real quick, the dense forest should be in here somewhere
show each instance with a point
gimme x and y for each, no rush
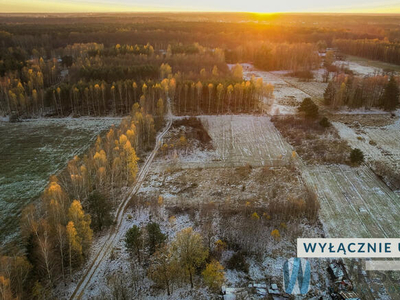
(376, 49)
(277, 56)
(87, 65)
(86, 81)
(378, 91)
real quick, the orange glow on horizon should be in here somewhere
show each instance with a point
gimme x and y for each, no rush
(258, 8)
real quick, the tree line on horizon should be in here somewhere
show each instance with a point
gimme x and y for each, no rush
(376, 49)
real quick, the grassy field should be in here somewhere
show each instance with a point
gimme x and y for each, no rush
(32, 151)
(355, 203)
(372, 63)
(240, 140)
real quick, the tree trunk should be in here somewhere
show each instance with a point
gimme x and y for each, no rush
(191, 278)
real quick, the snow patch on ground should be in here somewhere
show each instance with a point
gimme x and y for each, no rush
(377, 143)
(357, 68)
(4, 118)
(360, 111)
(241, 139)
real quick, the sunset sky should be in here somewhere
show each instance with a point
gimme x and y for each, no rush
(353, 6)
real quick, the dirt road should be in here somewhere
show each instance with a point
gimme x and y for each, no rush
(115, 234)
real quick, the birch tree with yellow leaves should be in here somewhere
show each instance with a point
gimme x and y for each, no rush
(74, 245)
(81, 222)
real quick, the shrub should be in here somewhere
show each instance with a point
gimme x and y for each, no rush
(309, 108)
(275, 234)
(244, 171)
(255, 216)
(305, 75)
(356, 156)
(14, 118)
(214, 275)
(325, 122)
(238, 262)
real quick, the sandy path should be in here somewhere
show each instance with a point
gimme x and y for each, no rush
(115, 234)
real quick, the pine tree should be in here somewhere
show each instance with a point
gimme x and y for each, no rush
(155, 237)
(390, 98)
(134, 241)
(356, 156)
(309, 108)
(100, 209)
(329, 94)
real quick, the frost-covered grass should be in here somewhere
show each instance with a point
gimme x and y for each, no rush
(262, 187)
(377, 143)
(311, 88)
(282, 90)
(357, 68)
(33, 150)
(365, 66)
(236, 140)
(359, 111)
(380, 145)
(288, 92)
(354, 202)
(243, 139)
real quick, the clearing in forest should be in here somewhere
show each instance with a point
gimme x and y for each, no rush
(312, 88)
(244, 139)
(380, 145)
(364, 66)
(377, 143)
(286, 96)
